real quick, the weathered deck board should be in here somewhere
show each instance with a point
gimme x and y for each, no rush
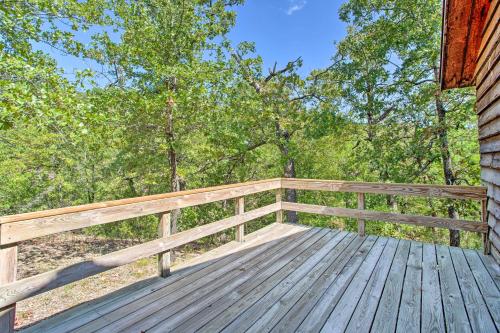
(453, 303)
(387, 315)
(432, 307)
(286, 278)
(408, 318)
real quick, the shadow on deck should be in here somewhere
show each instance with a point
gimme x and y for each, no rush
(293, 278)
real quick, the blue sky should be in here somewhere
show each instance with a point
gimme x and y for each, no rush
(282, 31)
(286, 29)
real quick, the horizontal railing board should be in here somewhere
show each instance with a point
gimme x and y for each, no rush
(121, 202)
(444, 191)
(28, 287)
(23, 230)
(427, 221)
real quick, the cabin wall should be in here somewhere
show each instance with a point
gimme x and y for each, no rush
(487, 83)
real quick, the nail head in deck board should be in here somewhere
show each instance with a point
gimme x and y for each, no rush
(341, 314)
(386, 315)
(479, 318)
(409, 308)
(432, 308)
(453, 304)
(365, 310)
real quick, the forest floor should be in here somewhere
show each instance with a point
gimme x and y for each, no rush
(47, 253)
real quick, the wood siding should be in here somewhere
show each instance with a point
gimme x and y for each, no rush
(488, 109)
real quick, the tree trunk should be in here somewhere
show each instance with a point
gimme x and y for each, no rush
(288, 171)
(175, 181)
(449, 177)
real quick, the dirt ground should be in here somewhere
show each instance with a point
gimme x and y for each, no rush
(47, 253)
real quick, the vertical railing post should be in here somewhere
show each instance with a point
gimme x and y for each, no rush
(361, 222)
(484, 220)
(279, 198)
(240, 209)
(8, 271)
(164, 258)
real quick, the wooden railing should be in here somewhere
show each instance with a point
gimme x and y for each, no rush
(22, 227)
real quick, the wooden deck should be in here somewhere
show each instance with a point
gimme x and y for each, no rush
(286, 278)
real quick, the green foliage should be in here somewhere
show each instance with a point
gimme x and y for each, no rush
(177, 87)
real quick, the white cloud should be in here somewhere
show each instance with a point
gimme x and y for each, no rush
(295, 6)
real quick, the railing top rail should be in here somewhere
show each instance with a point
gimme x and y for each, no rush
(121, 202)
(425, 190)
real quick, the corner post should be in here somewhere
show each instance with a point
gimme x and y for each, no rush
(279, 199)
(164, 258)
(361, 222)
(240, 209)
(8, 271)
(484, 220)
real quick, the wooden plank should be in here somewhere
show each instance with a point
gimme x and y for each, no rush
(488, 98)
(477, 311)
(341, 314)
(427, 221)
(386, 316)
(247, 292)
(164, 230)
(318, 315)
(489, 290)
(276, 183)
(491, 114)
(169, 317)
(454, 309)
(490, 145)
(35, 285)
(191, 291)
(488, 47)
(345, 261)
(8, 271)
(488, 81)
(279, 213)
(273, 315)
(184, 273)
(367, 306)
(411, 298)
(432, 308)
(444, 191)
(240, 229)
(252, 290)
(37, 227)
(490, 129)
(256, 308)
(361, 222)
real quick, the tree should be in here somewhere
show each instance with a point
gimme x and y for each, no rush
(387, 66)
